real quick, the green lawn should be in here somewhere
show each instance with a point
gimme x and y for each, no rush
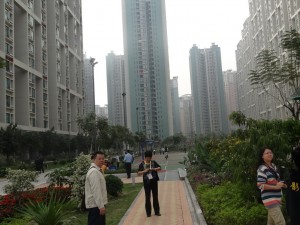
(116, 207)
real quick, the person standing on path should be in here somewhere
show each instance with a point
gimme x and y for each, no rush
(95, 190)
(148, 168)
(270, 186)
(128, 160)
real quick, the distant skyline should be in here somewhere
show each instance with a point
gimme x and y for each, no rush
(188, 22)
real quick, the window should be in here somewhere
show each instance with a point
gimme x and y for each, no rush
(30, 20)
(9, 84)
(9, 67)
(31, 78)
(8, 49)
(8, 32)
(31, 62)
(32, 122)
(31, 48)
(30, 4)
(30, 34)
(9, 118)
(8, 16)
(32, 107)
(9, 101)
(31, 92)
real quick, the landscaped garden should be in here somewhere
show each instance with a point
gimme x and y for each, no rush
(222, 170)
(61, 202)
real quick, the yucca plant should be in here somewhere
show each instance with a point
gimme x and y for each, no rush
(54, 212)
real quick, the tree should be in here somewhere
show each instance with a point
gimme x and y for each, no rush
(238, 118)
(283, 75)
(10, 140)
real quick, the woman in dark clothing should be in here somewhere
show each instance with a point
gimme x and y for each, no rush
(293, 190)
(148, 168)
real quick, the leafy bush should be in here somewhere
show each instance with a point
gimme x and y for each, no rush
(224, 205)
(20, 180)
(81, 166)
(114, 185)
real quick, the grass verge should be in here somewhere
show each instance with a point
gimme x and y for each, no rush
(116, 207)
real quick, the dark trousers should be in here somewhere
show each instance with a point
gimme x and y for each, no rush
(151, 186)
(128, 169)
(94, 217)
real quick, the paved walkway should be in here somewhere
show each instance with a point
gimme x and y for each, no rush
(173, 202)
(177, 206)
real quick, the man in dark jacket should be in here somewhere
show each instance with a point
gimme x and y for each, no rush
(148, 168)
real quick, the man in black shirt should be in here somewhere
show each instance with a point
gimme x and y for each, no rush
(148, 168)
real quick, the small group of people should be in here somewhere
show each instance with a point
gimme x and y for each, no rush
(96, 192)
(271, 185)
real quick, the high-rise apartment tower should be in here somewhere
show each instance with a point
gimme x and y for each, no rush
(116, 92)
(207, 87)
(148, 97)
(262, 30)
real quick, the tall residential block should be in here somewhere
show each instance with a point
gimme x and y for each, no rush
(187, 118)
(89, 84)
(116, 91)
(101, 111)
(148, 97)
(207, 87)
(231, 94)
(175, 105)
(42, 84)
(263, 29)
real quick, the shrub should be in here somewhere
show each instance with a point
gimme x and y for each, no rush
(224, 205)
(53, 212)
(81, 166)
(20, 181)
(114, 185)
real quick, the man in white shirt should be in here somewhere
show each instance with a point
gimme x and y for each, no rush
(95, 190)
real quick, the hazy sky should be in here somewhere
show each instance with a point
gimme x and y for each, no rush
(200, 22)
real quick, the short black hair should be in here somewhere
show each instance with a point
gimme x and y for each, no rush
(148, 154)
(94, 154)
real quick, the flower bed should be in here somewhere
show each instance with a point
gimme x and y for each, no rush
(10, 203)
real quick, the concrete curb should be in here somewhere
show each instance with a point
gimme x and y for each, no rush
(196, 212)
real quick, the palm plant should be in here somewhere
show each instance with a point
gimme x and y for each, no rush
(54, 212)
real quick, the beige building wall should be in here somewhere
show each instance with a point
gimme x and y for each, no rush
(42, 84)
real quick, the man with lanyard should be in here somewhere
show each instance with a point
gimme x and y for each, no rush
(148, 169)
(128, 160)
(95, 190)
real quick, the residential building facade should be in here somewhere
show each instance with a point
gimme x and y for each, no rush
(42, 84)
(148, 97)
(207, 87)
(101, 111)
(89, 84)
(231, 94)
(262, 30)
(116, 91)
(187, 118)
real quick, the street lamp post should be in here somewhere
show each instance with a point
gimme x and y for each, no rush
(93, 63)
(137, 118)
(124, 109)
